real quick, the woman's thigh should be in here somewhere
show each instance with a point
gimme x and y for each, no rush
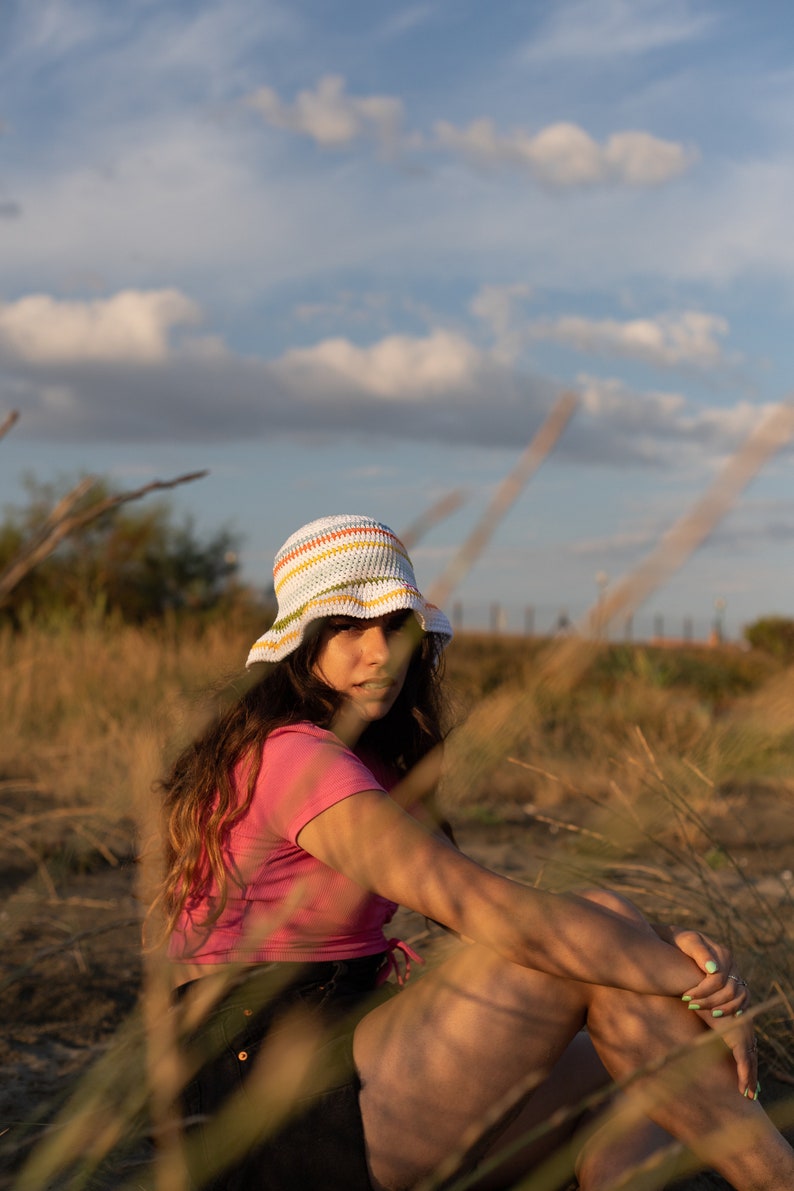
(446, 1062)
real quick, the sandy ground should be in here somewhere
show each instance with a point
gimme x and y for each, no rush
(71, 967)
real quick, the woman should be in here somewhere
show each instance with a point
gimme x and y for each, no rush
(297, 824)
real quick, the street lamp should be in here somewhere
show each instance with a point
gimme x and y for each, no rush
(602, 582)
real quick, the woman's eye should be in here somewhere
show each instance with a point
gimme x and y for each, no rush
(398, 624)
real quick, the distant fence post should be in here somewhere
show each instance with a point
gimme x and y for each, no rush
(688, 628)
(719, 620)
(529, 621)
(628, 628)
(658, 626)
(563, 621)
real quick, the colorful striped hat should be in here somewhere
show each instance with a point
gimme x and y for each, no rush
(342, 566)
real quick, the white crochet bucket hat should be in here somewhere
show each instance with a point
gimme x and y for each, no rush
(342, 566)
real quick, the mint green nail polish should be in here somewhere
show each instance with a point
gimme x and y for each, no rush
(757, 1091)
(711, 967)
(693, 1006)
(738, 1013)
(686, 997)
(716, 1013)
(746, 1092)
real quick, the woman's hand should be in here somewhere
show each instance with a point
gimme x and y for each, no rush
(722, 991)
(721, 994)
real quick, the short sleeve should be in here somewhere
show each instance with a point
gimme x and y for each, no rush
(305, 770)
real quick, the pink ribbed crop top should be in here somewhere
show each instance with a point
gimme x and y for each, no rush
(283, 904)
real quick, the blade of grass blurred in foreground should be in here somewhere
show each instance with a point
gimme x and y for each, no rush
(112, 703)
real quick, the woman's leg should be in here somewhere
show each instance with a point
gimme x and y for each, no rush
(612, 1138)
(602, 1144)
(437, 1059)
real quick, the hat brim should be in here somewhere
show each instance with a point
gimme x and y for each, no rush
(358, 601)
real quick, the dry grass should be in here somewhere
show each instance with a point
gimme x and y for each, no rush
(80, 705)
(648, 769)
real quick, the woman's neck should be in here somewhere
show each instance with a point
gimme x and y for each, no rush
(348, 725)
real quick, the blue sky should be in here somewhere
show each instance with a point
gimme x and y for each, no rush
(346, 255)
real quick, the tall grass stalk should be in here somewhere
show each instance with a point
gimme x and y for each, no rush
(625, 754)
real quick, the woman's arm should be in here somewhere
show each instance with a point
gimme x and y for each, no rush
(375, 843)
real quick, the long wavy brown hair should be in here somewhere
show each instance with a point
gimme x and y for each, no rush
(201, 799)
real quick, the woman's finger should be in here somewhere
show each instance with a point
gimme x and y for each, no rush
(719, 991)
(744, 1046)
(740, 1040)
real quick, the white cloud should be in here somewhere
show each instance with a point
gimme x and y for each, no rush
(496, 306)
(116, 370)
(613, 398)
(110, 371)
(583, 30)
(130, 326)
(661, 428)
(399, 366)
(639, 159)
(690, 338)
(564, 155)
(332, 118)
(561, 155)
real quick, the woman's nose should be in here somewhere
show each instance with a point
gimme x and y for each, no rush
(376, 646)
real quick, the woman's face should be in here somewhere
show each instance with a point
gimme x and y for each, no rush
(367, 660)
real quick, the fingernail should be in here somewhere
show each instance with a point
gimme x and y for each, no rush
(686, 997)
(693, 1006)
(716, 1013)
(746, 1092)
(738, 1013)
(757, 1091)
(711, 967)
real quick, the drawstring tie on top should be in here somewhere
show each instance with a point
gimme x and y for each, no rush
(393, 967)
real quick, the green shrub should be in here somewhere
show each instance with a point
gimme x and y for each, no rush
(139, 564)
(773, 635)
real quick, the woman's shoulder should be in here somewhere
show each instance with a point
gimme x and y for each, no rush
(287, 746)
(304, 727)
(302, 733)
(304, 770)
(301, 740)
(305, 741)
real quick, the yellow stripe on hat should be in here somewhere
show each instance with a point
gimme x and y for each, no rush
(326, 554)
(323, 602)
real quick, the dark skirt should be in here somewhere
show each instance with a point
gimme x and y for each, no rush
(245, 1132)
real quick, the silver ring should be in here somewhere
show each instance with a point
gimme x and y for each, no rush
(738, 980)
